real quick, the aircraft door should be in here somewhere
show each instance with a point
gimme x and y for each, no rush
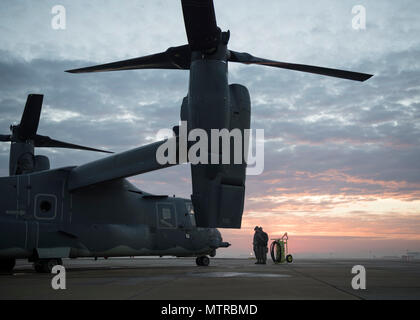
(167, 225)
(48, 196)
(47, 210)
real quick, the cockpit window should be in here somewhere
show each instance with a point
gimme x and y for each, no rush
(166, 216)
(190, 208)
(190, 211)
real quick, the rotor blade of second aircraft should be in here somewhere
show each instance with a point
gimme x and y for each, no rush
(47, 142)
(30, 117)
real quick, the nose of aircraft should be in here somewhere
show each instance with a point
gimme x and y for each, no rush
(216, 240)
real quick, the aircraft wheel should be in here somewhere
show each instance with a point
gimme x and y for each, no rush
(198, 261)
(202, 261)
(7, 265)
(205, 261)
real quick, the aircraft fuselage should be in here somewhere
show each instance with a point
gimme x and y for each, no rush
(39, 218)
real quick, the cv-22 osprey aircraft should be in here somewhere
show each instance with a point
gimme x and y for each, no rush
(91, 210)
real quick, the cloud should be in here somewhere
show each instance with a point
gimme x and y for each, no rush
(332, 146)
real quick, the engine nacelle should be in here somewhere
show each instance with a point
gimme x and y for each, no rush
(219, 189)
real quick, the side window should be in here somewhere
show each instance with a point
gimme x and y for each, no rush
(45, 206)
(190, 212)
(166, 216)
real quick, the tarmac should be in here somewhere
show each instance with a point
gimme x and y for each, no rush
(224, 279)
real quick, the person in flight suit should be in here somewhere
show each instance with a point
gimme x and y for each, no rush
(257, 244)
(264, 247)
(260, 245)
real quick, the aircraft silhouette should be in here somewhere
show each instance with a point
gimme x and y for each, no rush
(91, 210)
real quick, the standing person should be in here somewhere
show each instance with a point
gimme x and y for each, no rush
(256, 243)
(264, 248)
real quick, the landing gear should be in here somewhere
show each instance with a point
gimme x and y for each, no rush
(202, 261)
(46, 265)
(7, 265)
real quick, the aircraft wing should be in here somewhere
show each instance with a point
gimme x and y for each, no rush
(121, 165)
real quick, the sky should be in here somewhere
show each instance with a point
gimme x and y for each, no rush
(342, 172)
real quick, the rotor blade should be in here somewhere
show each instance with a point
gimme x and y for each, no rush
(47, 142)
(173, 58)
(5, 137)
(200, 24)
(30, 117)
(246, 58)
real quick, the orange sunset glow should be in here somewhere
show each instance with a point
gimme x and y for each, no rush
(331, 213)
(385, 222)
